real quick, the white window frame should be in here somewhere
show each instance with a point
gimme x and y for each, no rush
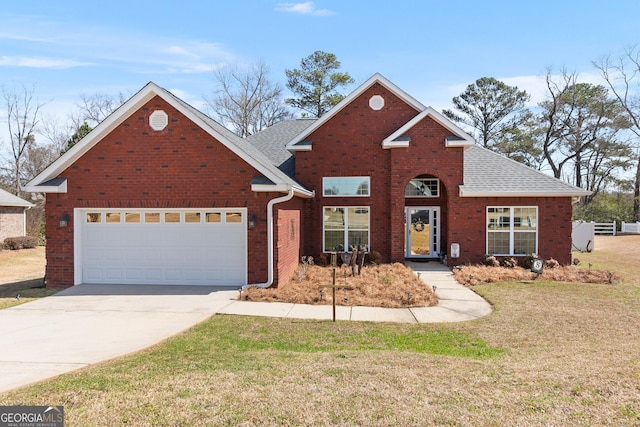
(511, 231)
(424, 196)
(355, 178)
(345, 230)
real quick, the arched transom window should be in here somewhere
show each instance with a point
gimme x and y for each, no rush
(423, 187)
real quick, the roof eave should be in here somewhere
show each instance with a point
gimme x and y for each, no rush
(529, 193)
(86, 143)
(118, 116)
(283, 188)
(461, 139)
(38, 188)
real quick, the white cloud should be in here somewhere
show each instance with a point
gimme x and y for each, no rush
(306, 8)
(536, 86)
(130, 50)
(39, 62)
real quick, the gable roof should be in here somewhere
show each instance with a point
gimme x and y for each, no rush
(488, 174)
(299, 143)
(459, 138)
(49, 180)
(9, 200)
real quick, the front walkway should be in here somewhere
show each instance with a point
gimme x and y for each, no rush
(457, 304)
(87, 324)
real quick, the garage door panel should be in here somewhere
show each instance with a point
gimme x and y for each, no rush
(111, 255)
(152, 275)
(164, 253)
(92, 275)
(113, 274)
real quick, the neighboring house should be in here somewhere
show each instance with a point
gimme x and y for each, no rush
(13, 216)
(159, 193)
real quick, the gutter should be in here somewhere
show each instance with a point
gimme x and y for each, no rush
(270, 231)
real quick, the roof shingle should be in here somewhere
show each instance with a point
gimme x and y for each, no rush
(489, 174)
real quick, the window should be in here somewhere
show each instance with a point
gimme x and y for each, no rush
(171, 217)
(344, 227)
(233, 217)
(190, 217)
(345, 186)
(423, 187)
(94, 217)
(512, 230)
(213, 217)
(152, 217)
(112, 217)
(130, 217)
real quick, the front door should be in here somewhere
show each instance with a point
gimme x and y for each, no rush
(422, 232)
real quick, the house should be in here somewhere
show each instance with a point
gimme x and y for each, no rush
(13, 215)
(159, 193)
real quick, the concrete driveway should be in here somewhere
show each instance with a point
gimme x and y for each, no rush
(87, 324)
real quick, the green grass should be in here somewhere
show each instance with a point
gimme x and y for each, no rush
(28, 290)
(551, 353)
(251, 350)
(222, 333)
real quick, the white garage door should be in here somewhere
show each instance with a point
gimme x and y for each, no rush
(163, 247)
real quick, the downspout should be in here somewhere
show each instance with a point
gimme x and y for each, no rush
(24, 221)
(270, 231)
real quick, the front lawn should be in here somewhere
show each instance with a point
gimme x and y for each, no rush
(21, 276)
(551, 353)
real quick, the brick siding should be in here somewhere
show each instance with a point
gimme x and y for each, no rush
(11, 222)
(349, 144)
(133, 166)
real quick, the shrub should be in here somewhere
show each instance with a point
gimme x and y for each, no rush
(322, 260)
(301, 271)
(527, 262)
(551, 263)
(491, 261)
(21, 242)
(510, 262)
(373, 257)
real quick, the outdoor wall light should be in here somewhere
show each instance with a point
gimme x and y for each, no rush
(252, 221)
(64, 220)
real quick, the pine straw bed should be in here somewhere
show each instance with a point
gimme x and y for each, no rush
(470, 275)
(395, 285)
(385, 285)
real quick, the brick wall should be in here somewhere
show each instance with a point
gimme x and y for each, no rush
(428, 155)
(349, 144)
(554, 226)
(288, 244)
(11, 222)
(133, 166)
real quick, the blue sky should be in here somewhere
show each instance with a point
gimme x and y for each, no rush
(430, 49)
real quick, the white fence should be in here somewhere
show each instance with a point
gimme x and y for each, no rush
(605, 228)
(631, 227)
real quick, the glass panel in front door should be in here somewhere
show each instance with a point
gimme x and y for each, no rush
(420, 232)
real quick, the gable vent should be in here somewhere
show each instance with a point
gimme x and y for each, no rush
(158, 120)
(376, 102)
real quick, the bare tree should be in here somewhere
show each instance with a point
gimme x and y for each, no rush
(246, 101)
(552, 132)
(57, 132)
(623, 77)
(22, 120)
(93, 109)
